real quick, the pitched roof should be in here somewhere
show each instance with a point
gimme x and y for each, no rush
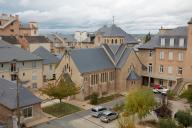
(114, 31)
(68, 38)
(10, 39)
(37, 39)
(9, 52)
(91, 59)
(8, 95)
(133, 76)
(47, 57)
(175, 33)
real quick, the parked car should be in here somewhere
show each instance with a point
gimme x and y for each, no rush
(160, 89)
(108, 116)
(97, 111)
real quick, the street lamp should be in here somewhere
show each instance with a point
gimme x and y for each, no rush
(16, 72)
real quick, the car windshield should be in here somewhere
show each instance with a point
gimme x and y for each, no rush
(93, 110)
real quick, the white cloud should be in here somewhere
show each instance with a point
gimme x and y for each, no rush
(136, 16)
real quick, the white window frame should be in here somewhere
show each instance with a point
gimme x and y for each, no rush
(180, 56)
(170, 55)
(172, 41)
(181, 42)
(161, 55)
(31, 112)
(170, 69)
(162, 41)
(179, 69)
(161, 68)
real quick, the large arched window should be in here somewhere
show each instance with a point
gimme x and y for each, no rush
(116, 41)
(112, 41)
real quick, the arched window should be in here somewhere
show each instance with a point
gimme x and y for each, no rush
(112, 41)
(116, 41)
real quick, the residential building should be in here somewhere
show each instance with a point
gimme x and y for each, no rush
(106, 69)
(113, 35)
(29, 104)
(167, 56)
(50, 63)
(28, 65)
(11, 26)
(35, 42)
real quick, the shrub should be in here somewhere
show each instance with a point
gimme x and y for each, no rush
(94, 98)
(166, 123)
(163, 111)
(126, 122)
(188, 95)
(170, 95)
(184, 118)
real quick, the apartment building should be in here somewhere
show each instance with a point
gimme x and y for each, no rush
(11, 26)
(50, 63)
(113, 35)
(106, 69)
(27, 65)
(168, 58)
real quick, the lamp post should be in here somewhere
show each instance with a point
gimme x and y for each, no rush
(15, 71)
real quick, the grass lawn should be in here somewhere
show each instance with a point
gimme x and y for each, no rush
(61, 109)
(108, 98)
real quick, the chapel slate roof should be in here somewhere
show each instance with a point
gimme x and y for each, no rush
(114, 31)
(37, 39)
(133, 76)
(47, 57)
(9, 52)
(8, 95)
(91, 59)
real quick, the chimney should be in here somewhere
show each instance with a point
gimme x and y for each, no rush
(163, 30)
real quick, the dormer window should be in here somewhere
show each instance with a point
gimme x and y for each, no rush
(181, 42)
(172, 42)
(162, 41)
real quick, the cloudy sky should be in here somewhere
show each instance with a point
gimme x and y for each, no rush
(134, 16)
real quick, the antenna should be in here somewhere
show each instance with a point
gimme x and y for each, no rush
(113, 19)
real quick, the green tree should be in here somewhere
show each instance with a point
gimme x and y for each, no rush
(166, 123)
(64, 89)
(140, 101)
(94, 98)
(147, 38)
(184, 118)
(187, 95)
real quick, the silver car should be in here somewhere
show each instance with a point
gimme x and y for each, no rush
(108, 116)
(97, 111)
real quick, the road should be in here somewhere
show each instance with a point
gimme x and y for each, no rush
(82, 119)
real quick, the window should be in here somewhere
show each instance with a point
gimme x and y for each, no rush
(150, 67)
(12, 30)
(2, 76)
(94, 79)
(34, 65)
(150, 52)
(13, 67)
(180, 70)
(23, 74)
(28, 112)
(34, 85)
(112, 41)
(54, 77)
(23, 63)
(180, 56)
(170, 55)
(50, 67)
(170, 69)
(162, 41)
(0, 23)
(111, 76)
(2, 65)
(161, 55)
(161, 69)
(34, 76)
(172, 42)
(116, 41)
(160, 81)
(181, 42)
(13, 77)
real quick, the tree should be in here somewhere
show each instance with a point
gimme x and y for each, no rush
(184, 118)
(64, 89)
(147, 38)
(166, 123)
(140, 101)
(126, 122)
(188, 95)
(94, 98)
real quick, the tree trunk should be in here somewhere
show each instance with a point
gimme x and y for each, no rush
(60, 100)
